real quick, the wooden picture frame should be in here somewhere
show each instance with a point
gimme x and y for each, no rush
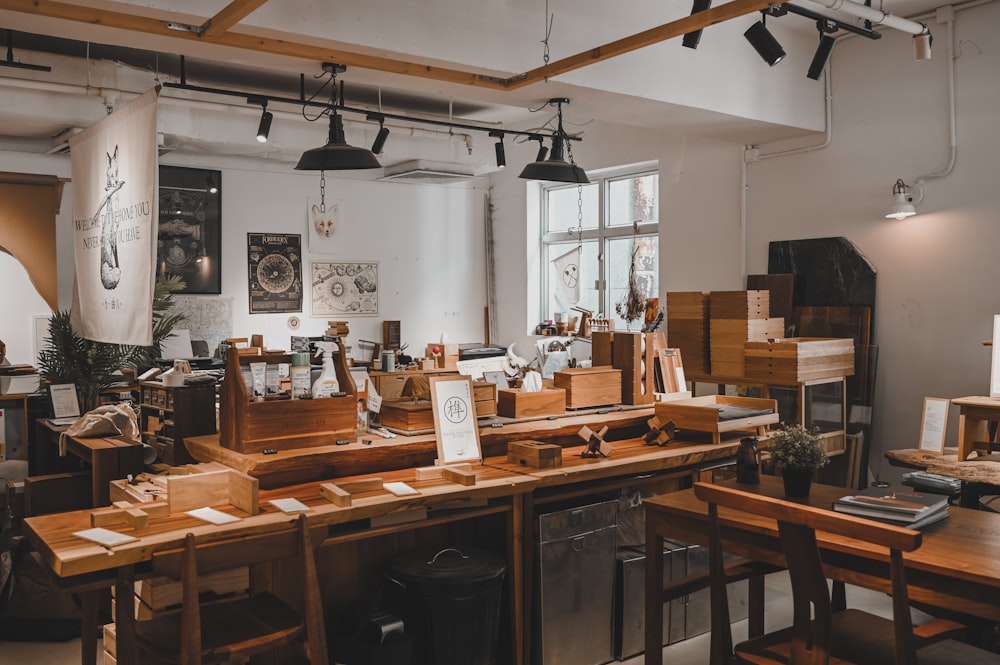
(934, 424)
(455, 427)
(189, 234)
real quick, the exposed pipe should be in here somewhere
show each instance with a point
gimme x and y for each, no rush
(946, 15)
(867, 13)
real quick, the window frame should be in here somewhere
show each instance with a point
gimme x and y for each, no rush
(602, 234)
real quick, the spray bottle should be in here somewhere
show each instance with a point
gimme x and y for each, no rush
(326, 384)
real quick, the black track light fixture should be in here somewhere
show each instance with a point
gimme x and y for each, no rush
(542, 150)
(383, 134)
(501, 155)
(823, 51)
(764, 43)
(556, 168)
(691, 39)
(264, 127)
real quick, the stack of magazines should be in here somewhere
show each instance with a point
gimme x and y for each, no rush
(921, 480)
(907, 508)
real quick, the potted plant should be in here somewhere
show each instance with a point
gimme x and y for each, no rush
(798, 452)
(94, 367)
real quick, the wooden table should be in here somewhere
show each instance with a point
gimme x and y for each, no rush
(955, 568)
(109, 458)
(979, 475)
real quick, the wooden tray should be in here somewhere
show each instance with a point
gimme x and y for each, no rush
(798, 359)
(702, 414)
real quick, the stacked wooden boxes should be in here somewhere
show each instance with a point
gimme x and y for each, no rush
(799, 359)
(687, 328)
(738, 317)
(589, 386)
(634, 353)
(485, 396)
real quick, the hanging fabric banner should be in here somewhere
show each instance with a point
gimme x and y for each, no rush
(115, 214)
(568, 276)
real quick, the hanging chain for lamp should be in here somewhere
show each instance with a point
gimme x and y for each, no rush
(322, 191)
(549, 19)
(579, 219)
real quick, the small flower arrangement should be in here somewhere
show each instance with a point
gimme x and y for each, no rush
(795, 447)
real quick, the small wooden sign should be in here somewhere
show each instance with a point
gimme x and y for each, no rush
(934, 424)
(455, 427)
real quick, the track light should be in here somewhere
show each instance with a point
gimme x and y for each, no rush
(501, 156)
(264, 127)
(383, 134)
(821, 57)
(922, 45)
(764, 43)
(691, 39)
(902, 202)
(555, 168)
(212, 187)
(337, 155)
(542, 150)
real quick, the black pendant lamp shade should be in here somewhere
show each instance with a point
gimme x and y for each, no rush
(337, 155)
(555, 168)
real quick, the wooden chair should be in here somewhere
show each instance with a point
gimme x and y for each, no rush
(233, 630)
(819, 635)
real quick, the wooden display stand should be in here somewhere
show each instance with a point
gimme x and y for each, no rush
(252, 427)
(701, 414)
(974, 417)
(634, 354)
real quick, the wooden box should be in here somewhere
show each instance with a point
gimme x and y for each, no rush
(703, 414)
(407, 415)
(590, 386)
(485, 396)
(799, 359)
(601, 343)
(512, 403)
(534, 454)
(634, 354)
(728, 338)
(251, 427)
(739, 304)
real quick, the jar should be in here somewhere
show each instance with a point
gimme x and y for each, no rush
(748, 462)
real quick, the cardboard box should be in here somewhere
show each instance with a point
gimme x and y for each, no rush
(590, 386)
(512, 403)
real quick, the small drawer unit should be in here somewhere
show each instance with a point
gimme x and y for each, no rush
(169, 414)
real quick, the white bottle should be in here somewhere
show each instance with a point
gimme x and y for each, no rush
(326, 384)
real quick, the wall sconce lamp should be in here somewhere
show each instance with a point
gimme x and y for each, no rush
(383, 134)
(555, 168)
(902, 202)
(264, 127)
(764, 43)
(692, 39)
(501, 155)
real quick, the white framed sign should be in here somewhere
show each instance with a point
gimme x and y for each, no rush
(455, 426)
(64, 401)
(933, 424)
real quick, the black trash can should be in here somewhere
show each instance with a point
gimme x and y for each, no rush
(450, 603)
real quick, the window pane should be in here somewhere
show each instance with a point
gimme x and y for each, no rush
(588, 270)
(633, 200)
(562, 208)
(646, 272)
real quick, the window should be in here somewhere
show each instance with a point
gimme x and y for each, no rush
(599, 218)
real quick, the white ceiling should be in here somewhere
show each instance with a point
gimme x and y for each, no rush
(495, 37)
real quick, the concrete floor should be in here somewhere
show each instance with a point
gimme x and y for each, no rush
(694, 651)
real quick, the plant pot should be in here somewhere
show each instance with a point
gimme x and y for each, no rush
(798, 482)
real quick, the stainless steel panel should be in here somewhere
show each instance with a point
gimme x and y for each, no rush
(678, 569)
(630, 598)
(698, 618)
(574, 521)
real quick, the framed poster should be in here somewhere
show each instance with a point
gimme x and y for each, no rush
(275, 272)
(189, 237)
(455, 425)
(344, 288)
(933, 424)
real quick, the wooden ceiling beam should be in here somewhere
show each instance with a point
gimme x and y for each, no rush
(216, 33)
(230, 15)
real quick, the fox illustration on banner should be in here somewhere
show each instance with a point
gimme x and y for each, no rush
(115, 163)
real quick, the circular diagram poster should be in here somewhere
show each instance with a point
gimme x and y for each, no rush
(344, 287)
(275, 272)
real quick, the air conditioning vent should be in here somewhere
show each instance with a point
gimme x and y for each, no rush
(428, 173)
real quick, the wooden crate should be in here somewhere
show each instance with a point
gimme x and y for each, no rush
(407, 415)
(252, 427)
(512, 403)
(687, 328)
(634, 354)
(702, 414)
(534, 454)
(798, 359)
(601, 344)
(687, 305)
(746, 330)
(590, 386)
(739, 304)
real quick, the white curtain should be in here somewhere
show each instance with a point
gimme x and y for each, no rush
(115, 216)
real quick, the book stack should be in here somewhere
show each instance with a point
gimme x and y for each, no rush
(923, 481)
(902, 508)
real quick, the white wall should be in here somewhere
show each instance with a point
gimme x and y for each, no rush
(937, 272)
